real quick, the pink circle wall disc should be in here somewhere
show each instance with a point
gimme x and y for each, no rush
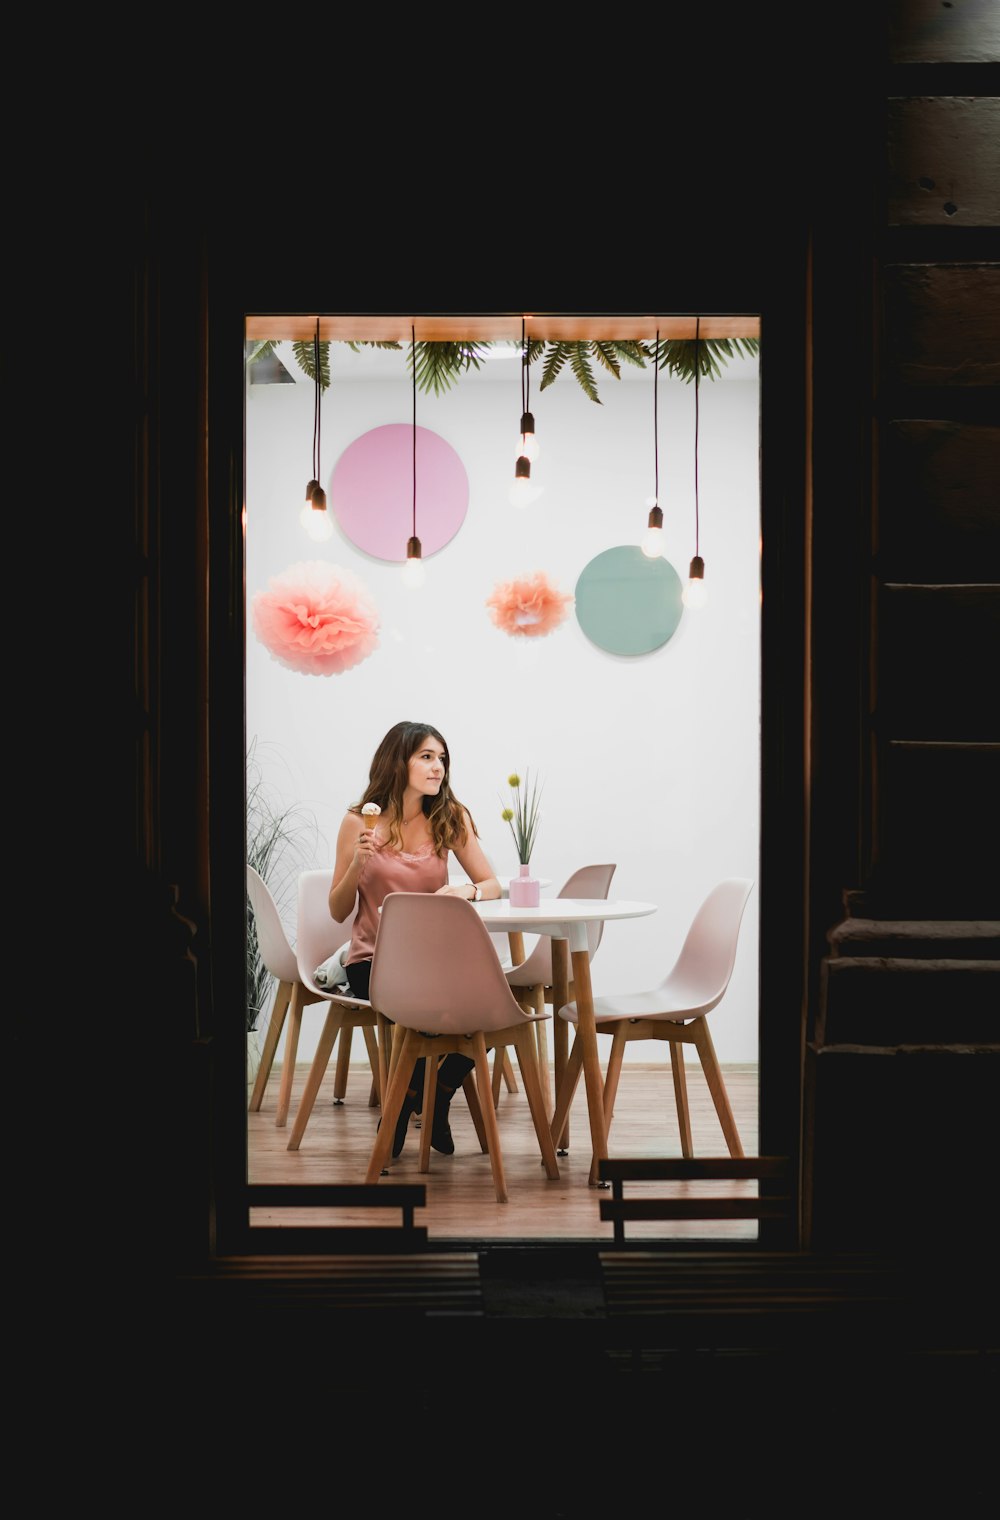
(371, 491)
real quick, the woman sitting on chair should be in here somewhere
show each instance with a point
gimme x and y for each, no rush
(397, 839)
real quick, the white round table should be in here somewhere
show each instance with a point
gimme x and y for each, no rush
(565, 920)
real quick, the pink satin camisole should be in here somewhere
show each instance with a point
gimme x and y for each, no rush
(391, 871)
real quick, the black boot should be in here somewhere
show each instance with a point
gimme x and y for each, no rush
(412, 1103)
(453, 1072)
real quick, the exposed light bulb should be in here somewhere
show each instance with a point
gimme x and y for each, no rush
(522, 491)
(317, 524)
(413, 570)
(652, 540)
(314, 517)
(695, 594)
(528, 446)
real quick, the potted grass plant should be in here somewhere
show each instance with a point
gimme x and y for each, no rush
(521, 817)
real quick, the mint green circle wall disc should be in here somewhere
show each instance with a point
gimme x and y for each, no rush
(627, 603)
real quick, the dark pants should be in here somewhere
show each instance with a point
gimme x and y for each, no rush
(452, 1071)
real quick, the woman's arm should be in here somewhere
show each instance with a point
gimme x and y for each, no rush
(473, 861)
(355, 845)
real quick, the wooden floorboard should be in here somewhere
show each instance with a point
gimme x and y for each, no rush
(461, 1203)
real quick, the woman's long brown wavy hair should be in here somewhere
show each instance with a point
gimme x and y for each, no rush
(388, 777)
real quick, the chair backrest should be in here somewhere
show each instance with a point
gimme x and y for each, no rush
(318, 935)
(588, 881)
(705, 964)
(275, 951)
(435, 967)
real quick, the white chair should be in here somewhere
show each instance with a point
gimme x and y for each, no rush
(531, 981)
(437, 980)
(318, 937)
(279, 958)
(674, 1011)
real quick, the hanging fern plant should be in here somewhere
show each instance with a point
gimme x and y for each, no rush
(678, 355)
(441, 365)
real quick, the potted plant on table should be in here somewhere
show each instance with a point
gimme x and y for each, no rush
(521, 818)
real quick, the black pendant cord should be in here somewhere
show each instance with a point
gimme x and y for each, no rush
(316, 404)
(656, 424)
(697, 376)
(526, 397)
(413, 366)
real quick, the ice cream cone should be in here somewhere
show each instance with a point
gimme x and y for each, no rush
(370, 814)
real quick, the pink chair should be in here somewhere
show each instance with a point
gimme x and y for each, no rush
(436, 977)
(318, 937)
(531, 981)
(675, 1011)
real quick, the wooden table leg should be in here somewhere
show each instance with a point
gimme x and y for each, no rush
(560, 1028)
(542, 1053)
(586, 1032)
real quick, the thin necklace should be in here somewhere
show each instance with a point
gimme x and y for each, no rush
(418, 814)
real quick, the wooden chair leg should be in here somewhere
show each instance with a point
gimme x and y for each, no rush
(280, 1007)
(490, 1118)
(567, 1089)
(542, 1050)
(527, 1059)
(702, 1040)
(560, 1029)
(371, 1045)
(294, 1022)
(503, 1072)
(332, 1026)
(343, 1066)
(431, 1064)
(681, 1096)
(471, 1092)
(402, 1070)
(613, 1076)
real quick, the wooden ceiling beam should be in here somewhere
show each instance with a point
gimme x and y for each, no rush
(495, 327)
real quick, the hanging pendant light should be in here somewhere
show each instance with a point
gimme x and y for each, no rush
(695, 593)
(314, 516)
(652, 542)
(413, 570)
(523, 491)
(528, 446)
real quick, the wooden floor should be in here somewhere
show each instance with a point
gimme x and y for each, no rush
(461, 1203)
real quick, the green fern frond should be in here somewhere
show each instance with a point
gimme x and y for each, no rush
(632, 353)
(556, 355)
(580, 365)
(604, 353)
(303, 351)
(439, 365)
(677, 355)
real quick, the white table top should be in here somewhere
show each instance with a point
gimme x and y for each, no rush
(557, 915)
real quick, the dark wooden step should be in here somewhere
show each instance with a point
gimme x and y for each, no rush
(887, 1000)
(914, 939)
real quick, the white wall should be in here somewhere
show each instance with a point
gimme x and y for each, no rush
(676, 730)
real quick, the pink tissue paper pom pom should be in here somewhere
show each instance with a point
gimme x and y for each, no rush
(316, 618)
(528, 607)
